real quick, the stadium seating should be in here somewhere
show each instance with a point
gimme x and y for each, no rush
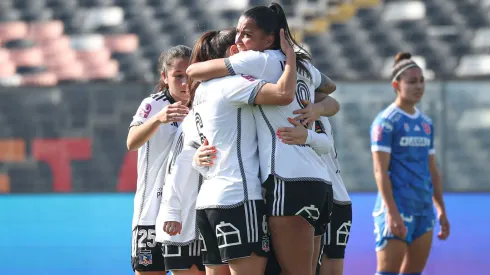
(49, 41)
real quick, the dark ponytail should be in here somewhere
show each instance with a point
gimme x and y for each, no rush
(271, 20)
(211, 45)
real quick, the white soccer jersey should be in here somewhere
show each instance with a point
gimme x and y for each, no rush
(152, 156)
(180, 189)
(340, 195)
(288, 162)
(224, 116)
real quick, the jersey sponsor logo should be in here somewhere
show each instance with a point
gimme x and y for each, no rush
(426, 127)
(144, 111)
(415, 141)
(248, 77)
(159, 192)
(377, 133)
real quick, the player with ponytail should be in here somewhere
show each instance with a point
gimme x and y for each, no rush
(405, 169)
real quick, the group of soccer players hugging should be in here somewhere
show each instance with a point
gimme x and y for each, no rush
(238, 172)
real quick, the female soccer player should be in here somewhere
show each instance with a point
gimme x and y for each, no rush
(402, 142)
(181, 245)
(295, 194)
(231, 211)
(151, 133)
(337, 235)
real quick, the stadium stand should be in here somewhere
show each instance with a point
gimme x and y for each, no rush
(50, 42)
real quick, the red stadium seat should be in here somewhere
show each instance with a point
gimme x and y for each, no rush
(27, 57)
(40, 79)
(122, 43)
(13, 30)
(42, 31)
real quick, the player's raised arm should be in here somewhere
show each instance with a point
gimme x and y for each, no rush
(282, 93)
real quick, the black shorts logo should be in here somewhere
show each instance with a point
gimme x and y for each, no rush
(309, 212)
(343, 233)
(227, 235)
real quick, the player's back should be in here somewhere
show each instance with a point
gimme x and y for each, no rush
(409, 138)
(227, 122)
(340, 194)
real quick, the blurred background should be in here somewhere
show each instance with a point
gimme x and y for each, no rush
(73, 72)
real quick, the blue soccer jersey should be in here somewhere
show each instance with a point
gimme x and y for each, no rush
(409, 138)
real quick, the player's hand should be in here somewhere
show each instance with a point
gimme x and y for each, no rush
(293, 135)
(286, 47)
(445, 227)
(205, 154)
(308, 115)
(395, 224)
(175, 112)
(172, 228)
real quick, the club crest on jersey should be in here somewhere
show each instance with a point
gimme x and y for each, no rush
(145, 258)
(426, 128)
(144, 111)
(377, 133)
(248, 77)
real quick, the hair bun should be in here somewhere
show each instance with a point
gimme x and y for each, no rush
(402, 56)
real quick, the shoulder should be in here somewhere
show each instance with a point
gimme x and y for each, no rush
(250, 55)
(426, 118)
(390, 115)
(160, 98)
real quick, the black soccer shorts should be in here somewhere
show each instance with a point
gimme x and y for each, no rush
(233, 233)
(183, 257)
(311, 200)
(338, 231)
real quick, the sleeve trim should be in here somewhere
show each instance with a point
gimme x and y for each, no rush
(377, 148)
(255, 91)
(229, 67)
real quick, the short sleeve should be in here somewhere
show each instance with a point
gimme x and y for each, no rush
(247, 63)
(381, 135)
(244, 90)
(432, 149)
(146, 110)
